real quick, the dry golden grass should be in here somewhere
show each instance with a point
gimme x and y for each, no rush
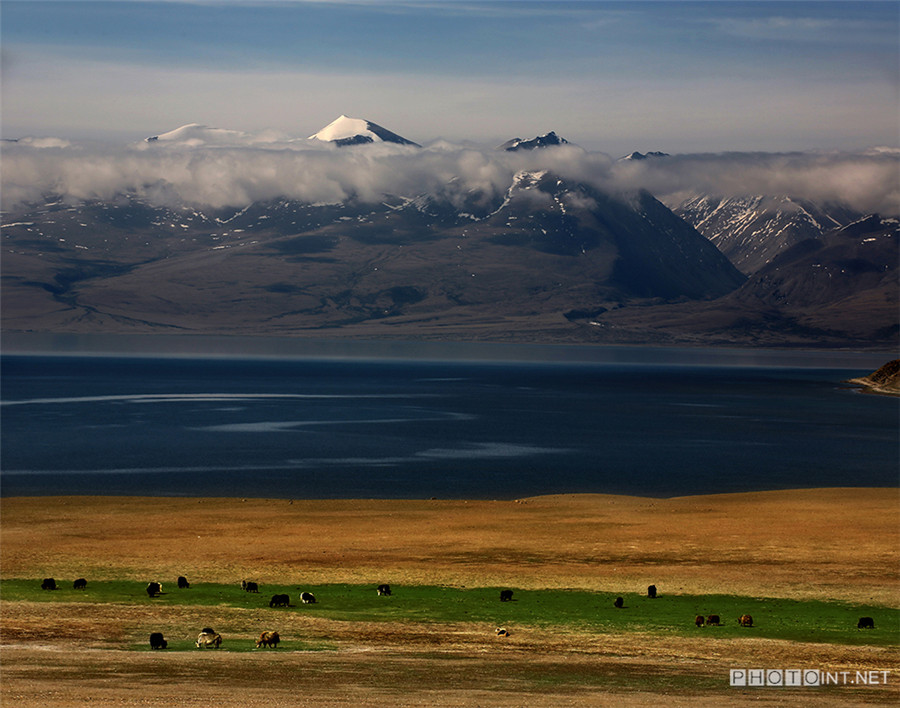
(830, 543)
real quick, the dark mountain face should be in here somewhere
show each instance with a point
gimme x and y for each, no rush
(388, 136)
(383, 133)
(838, 290)
(652, 253)
(853, 268)
(844, 284)
(354, 140)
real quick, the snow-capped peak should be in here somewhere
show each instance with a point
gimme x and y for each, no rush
(197, 135)
(546, 140)
(644, 156)
(355, 131)
(344, 127)
(185, 131)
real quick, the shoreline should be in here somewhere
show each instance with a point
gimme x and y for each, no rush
(566, 495)
(869, 386)
(885, 381)
(465, 500)
(361, 348)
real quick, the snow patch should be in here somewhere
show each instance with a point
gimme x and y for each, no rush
(345, 127)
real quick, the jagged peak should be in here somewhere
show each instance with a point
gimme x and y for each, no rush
(550, 139)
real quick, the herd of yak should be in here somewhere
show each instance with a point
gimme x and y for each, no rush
(208, 637)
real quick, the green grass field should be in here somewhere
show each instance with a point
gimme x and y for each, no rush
(575, 610)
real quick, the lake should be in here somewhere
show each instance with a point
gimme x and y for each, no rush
(385, 420)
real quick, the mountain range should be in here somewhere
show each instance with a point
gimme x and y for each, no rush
(550, 258)
(752, 230)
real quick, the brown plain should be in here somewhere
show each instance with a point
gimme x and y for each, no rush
(841, 544)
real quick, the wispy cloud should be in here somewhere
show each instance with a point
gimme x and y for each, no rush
(799, 28)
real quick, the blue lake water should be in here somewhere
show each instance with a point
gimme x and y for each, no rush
(654, 423)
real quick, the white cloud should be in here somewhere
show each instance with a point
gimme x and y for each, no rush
(44, 142)
(868, 181)
(218, 168)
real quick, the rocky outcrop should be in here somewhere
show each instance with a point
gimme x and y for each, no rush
(886, 380)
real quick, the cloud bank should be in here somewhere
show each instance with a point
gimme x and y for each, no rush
(867, 182)
(217, 168)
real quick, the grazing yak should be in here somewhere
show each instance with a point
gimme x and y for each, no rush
(502, 632)
(307, 598)
(280, 601)
(506, 595)
(268, 639)
(183, 584)
(651, 591)
(619, 602)
(154, 589)
(208, 639)
(80, 584)
(383, 589)
(698, 620)
(249, 586)
(713, 620)
(48, 584)
(157, 641)
(745, 621)
(865, 623)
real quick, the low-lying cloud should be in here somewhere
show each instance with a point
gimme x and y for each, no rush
(217, 168)
(867, 182)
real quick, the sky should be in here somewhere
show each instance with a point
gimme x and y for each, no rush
(681, 77)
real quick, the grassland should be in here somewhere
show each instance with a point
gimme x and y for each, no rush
(553, 610)
(806, 564)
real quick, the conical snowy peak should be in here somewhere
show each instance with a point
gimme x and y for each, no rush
(357, 131)
(547, 140)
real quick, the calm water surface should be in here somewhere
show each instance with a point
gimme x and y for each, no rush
(293, 427)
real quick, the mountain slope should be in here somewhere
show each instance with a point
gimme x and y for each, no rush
(529, 258)
(839, 290)
(751, 231)
(848, 274)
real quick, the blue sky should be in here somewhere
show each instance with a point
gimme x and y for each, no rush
(614, 77)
